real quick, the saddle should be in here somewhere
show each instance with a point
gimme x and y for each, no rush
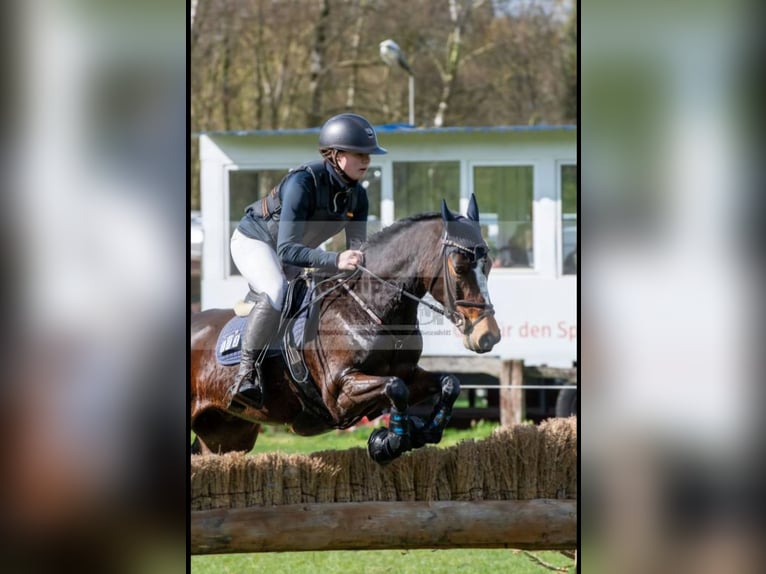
(298, 324)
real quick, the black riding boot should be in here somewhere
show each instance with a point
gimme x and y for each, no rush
(262, 324)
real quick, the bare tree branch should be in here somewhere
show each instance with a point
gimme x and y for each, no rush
(317, 63)
(192, 13)
(454, 47)
(356, 39)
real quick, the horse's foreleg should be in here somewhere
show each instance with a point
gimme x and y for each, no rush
(430, 431)
(384, 445)
(440, 416)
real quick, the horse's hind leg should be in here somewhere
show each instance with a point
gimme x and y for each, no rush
(218, 432)
(384, 445)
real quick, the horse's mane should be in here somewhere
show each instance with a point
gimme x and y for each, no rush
(385, 234)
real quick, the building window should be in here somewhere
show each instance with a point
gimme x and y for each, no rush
(248, 186)
(505, 197)
(420, 186)
(569, 219)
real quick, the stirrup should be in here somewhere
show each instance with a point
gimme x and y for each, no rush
(252, 394)
(252, 398)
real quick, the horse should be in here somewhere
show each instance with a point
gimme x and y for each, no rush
(363, 360)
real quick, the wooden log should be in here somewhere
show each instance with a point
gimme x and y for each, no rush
(512, 400)
(541, 524)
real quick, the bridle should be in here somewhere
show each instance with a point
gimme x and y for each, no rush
(449, 310)
(476, 255)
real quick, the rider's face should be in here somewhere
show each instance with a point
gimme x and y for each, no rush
(353, 164)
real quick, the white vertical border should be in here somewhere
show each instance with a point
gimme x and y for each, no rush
(560, 163)
(386, 193)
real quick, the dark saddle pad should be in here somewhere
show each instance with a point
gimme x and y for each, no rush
(291, 335)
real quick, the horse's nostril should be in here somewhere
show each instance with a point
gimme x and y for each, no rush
(486, 342)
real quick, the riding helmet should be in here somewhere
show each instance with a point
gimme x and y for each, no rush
(349, 132)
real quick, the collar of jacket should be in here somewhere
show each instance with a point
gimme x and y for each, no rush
(338, 178)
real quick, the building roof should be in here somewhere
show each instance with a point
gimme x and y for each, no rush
(400, 128)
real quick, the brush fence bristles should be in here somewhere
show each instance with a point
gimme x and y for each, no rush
(517, 463)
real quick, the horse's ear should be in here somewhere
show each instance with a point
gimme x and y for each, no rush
(473, 209)
(446, 213)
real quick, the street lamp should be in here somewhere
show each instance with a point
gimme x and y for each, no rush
(393, 56)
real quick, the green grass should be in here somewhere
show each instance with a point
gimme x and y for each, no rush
(372, 561)
(380, 562)
(273, 439)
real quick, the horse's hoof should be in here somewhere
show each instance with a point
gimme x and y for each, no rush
(432, 436)
(378, 447)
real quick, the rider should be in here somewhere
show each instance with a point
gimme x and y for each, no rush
(310, 205)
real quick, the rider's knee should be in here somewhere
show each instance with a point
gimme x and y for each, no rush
(276, 290)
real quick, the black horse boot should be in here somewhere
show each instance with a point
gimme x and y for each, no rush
(262, 324)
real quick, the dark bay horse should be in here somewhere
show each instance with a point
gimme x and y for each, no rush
(364, 358)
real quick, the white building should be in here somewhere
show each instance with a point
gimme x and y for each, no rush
(525, 180)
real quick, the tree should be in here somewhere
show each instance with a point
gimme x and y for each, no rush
(459, 14)
(317, 63)
(571, 94)
(267, 64)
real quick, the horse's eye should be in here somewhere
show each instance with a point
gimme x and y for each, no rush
(461, 263)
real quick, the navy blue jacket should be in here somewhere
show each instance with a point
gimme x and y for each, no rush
(307, 208)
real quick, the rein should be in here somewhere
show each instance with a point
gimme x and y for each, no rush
(342, 277)
(315, 299)
(398, 341)
(403, 291)
(449, 311)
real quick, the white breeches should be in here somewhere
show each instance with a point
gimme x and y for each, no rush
(259, 264)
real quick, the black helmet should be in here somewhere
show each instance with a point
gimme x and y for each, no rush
(349, 132)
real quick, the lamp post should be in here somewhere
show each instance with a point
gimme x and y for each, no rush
(392, 55)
